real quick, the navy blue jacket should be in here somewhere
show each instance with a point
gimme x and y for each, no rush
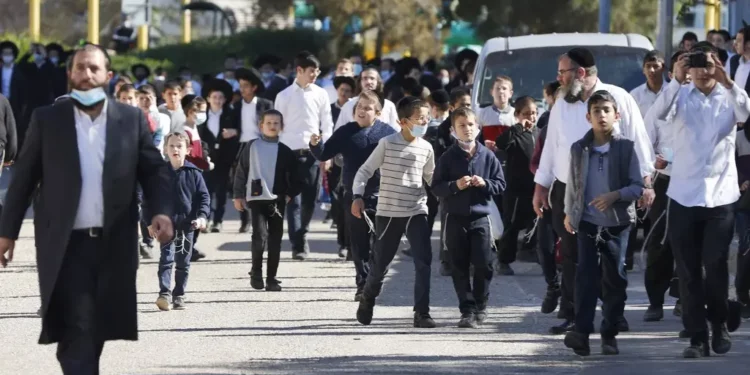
(456, 163)
(191, 197)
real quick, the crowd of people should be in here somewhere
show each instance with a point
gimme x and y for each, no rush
(394, 144)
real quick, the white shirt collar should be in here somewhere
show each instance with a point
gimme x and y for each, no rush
(298, 87)
(252, 102)
(79, 114)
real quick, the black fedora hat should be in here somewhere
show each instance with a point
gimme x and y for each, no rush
(273, 60)
(216, 84)
(251, 75)
(337, 81)
(135, 67)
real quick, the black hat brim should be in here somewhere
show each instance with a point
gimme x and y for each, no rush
(136, 66)
(216, 84)
(338, 81)
(252, 75)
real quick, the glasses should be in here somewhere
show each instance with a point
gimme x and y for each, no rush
(563, 71)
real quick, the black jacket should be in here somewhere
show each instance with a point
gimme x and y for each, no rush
(286, 178)
(8, 142)
(517, 145)
(261, 106)
(18, 92)
(277, 85)
(222, 150)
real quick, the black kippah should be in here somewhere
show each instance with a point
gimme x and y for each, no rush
(582, 57)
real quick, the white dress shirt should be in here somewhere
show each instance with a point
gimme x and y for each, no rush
(306, 111)
(704, 173)
(7, 76)
(213, 122)
(388, 115)
(661, 136)
(645, 97)
(249, 117)
(568, 124)
(742, 73)
(91, 136)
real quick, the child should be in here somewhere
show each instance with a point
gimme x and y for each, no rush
(159, 123)
(190, 212)
(405, 161)
(265, 180)
(127, 95)
(517, 144)
(439, 106)
(171, 107)
(604, 183)
(195, 114)
(356, 141)
(495, 119)
(466, 178)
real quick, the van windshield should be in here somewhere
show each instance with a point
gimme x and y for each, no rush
(531, 68)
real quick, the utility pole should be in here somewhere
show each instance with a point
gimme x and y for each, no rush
(93, 22)
(186, 26)
(605, 13)
(666, 26)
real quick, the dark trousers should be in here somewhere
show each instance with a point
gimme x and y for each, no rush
(700, 238)
(145, 235)
(546, 239)
(389, 231)
(338, 207)
(742, 280)
(244, 218)
(268, 227)
(568, 248)
(607, 278)
(642, 221)
(74, 299)
(216, 183)
(469, 242)
(175, 253)
(300, 209)
(361, 237)
(519, 215)
(660, 261)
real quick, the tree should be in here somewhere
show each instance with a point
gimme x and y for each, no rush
(517, 17)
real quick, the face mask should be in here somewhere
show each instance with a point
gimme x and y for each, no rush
(445, 81)
(418, 131)
(200, 117)
(357, 69)
(385, 74)
(8, 59)
(88, 98)
(465, 145)
(267, 76)
(38, 57)
(54, 60)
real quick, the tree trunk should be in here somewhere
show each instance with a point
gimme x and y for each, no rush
(379, 41)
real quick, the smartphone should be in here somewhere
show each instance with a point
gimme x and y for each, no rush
(698, 60)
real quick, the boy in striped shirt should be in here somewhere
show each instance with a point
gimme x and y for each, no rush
(406, 163)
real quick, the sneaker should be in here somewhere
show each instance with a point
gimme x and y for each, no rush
(566, 326)
(623, 325)
(721, 343)
(299, 256)
(163, 303)
(698, 347)
(178, 303)
(551, 300)
(256, 281)
(244, 228)
(197, 255)
(653, 314)
(677, 311)
(423, 320)
(505, 270)
(145, 251)
(342, 252)
(481, 315)
(216, 228)
(365, 310)
(445, 269)
(609, 346)
(579, 342)
(468, 320)
(272, 285)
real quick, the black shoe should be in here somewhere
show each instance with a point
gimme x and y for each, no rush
(654, 314)
(445, 269)
(505, 270)
(677, 311)
(216, 228)
(745, 311)
(178, 303)
(197, 255)
(698, 347)
(684, 334)
(145, 251)
(609, 346)
(244, 228)
(299, 256)
(342, 252)
(423, 320)
(622, 325)
(468, 320)
(566, 326)
(348, 255)
(734, 317)
(358, 296)
(561, 314)
(256, 283)
(579, 342)
(272, 285)
(364, 311)
(721, 343)
(481, 315)
(551, 299)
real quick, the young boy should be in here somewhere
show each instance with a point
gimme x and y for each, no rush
(466, 178)
(190, 212)
(171, 107)
(159, 122)
(265, 180)
(195, 114)
(356, 141)
(604, 183)
(495, 119)
(127, 94)
(406, 162)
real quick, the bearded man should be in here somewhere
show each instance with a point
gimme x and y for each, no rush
(577, 74)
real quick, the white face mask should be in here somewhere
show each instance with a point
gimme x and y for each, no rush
(445, 81)
(200, 117)
(8, 59)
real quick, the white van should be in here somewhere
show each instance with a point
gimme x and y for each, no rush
(531, 61)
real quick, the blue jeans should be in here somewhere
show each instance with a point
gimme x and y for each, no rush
(610, 245)
(178, 251)
(299, 210)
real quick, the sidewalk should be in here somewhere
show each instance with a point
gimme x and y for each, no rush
(310, 327)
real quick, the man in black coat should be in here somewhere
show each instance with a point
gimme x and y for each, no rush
(84, 156)
(14, 86)
(7, 137)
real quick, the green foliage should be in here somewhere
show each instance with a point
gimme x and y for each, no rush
(124, 62)
(207, 55)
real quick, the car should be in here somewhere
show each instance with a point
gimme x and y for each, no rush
(531, 61)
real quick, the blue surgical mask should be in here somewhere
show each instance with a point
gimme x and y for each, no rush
(357, 69)
(38, 57)
(200, 117)
(54, 60)
(267, 76)
(385, 74)
(418, 131)
(8, 59)
(88, 98)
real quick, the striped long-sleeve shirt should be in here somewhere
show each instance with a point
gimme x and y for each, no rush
(404, 169)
